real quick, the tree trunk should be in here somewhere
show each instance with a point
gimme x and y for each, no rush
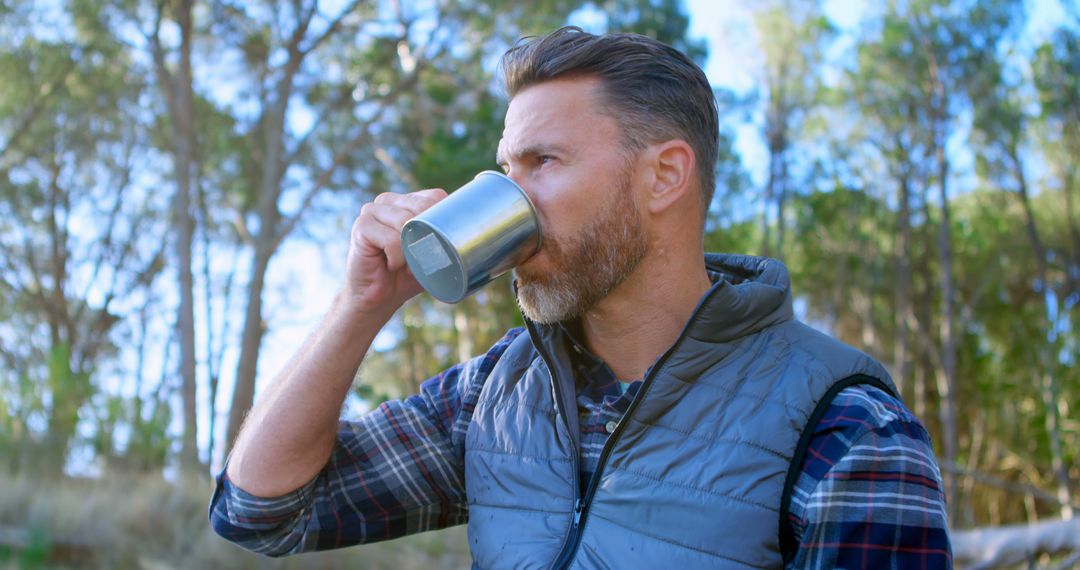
(946, 377)
(1048, 382)
(923, 310)
(1067, 187)
(183, 117)
(464, 335)
(62, 381)
(901, 359)
(266, 240)
(251, 341)
(770, 186)
(781, 200)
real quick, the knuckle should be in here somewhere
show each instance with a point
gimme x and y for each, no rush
(425, 198)
(434, 193)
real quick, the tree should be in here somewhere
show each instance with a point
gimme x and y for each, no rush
(179, 94)
(793, 37)
(1000, 131)
(927, 59)
(73, 250)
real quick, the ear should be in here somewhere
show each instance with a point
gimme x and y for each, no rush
(673, 163)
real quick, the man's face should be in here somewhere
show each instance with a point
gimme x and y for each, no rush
(568, 157)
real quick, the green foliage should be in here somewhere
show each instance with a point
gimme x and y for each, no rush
(451, 155)
(665, 20)
(34, 554)
(73, 249)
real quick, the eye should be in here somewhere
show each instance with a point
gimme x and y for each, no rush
(544, 159)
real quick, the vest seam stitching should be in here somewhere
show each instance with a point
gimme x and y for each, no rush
(514, 454)
(867, 364)
(519, 508)
(674, 543)
(692, 488)
(748, 443)
(508, 404)
(739, 394)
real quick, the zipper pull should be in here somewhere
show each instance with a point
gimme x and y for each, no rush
(577, 512)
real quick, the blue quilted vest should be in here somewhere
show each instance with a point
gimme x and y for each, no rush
(696, 473)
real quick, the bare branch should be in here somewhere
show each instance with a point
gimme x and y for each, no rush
(387, 160)
(107, 242)
(35, 110)
(331, 29)
(337, 105)
(101, 324)
(31, 262)
(290, 223)
(1016, 544)
(165, 78)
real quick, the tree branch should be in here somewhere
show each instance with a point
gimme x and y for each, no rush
(107, 241)
(290, 223)
(164, 77)
(335, 106)
(35, 110)
(331, 29)
(999, 483)
(1016, 544)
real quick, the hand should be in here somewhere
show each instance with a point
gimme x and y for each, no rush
(377, 279)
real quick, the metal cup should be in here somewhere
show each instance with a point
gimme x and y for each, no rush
(482, 230)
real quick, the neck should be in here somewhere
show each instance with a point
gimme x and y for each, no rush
(642, 318)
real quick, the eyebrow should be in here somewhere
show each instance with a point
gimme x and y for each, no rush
(531, 150)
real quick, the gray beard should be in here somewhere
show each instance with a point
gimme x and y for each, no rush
(588, 267)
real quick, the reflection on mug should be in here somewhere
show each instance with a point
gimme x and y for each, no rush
(482, 230)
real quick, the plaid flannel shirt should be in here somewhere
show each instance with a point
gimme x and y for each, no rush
(869, 494)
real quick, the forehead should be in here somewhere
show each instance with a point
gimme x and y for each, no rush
(564, 113)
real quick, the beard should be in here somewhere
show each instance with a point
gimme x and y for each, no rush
(587, 266)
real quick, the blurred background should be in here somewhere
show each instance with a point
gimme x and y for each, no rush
(178, 179)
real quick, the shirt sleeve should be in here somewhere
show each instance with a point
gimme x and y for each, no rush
(870, 492)
(396, 470)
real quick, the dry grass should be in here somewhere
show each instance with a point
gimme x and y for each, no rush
(140, 522)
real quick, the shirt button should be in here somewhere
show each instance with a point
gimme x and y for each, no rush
(610, 426)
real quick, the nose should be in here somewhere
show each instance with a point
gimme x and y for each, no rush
(520, 181)
(513, 175)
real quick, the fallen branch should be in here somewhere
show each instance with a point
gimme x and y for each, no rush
(1003, 546)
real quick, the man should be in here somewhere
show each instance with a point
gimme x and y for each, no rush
(662, 410)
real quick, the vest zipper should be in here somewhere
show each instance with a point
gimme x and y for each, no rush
(575, 453)
(581, 507)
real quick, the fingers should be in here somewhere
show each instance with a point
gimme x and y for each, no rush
(383, 227)
(378, 229)
(418, 201)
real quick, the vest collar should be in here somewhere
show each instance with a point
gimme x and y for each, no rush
(751, 294)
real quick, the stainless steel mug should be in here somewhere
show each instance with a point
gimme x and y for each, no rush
(482, 230)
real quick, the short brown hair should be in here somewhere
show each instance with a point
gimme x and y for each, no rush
(655, 91)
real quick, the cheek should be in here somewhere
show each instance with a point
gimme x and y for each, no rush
(561, 205)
